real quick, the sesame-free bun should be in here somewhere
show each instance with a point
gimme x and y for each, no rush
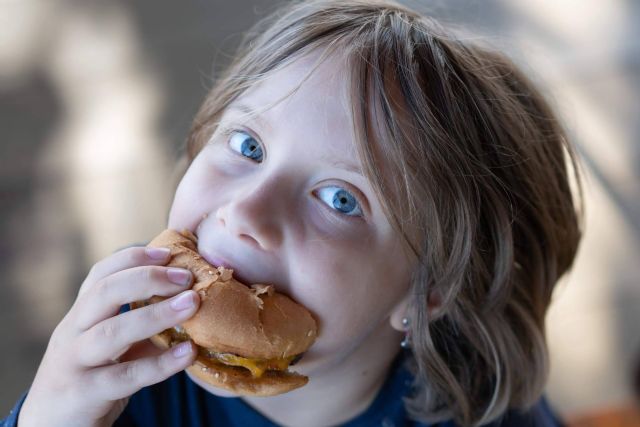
(238, 380)
(250, 322)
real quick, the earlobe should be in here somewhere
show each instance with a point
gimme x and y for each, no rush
(401, 310)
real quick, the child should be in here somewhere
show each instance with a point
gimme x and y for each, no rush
(409, 188)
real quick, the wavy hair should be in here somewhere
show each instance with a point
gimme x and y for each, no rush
(473, 169)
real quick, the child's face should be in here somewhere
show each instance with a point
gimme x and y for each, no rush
(290, 213)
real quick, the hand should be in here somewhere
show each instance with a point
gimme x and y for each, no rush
(97, 358)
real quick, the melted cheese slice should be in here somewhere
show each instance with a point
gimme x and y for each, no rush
(256, 366)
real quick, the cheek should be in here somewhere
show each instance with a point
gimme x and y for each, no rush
(193, 198)
(347, 290)
(182, 214)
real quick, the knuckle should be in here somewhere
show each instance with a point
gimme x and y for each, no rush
(135, 255)
(144, 274)
(164, 365)
(155, 312)
(64, 332)
(130, 373)
(102, 288)
(156, 274)
(108, 329)
(133, 374)
(57, 339)
(96, 269)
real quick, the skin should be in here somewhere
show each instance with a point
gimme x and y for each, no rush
(96, 358)
(272, 219)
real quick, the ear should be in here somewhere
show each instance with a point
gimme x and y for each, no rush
(434, 304)
(401, 310)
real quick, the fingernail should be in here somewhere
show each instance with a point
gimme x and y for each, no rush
(181, 350)
(179, 276)
(157, 253)
(183, 301)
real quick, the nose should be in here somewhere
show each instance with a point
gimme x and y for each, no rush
(252, 214)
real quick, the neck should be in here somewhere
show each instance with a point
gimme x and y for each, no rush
(352, 385)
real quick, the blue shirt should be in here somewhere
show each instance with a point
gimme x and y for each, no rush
(178, 401)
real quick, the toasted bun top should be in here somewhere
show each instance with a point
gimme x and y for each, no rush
(252, 322)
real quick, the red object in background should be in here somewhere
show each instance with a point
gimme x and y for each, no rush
(636, 382)
(624, 416)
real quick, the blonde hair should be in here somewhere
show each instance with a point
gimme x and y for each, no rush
(475, 178)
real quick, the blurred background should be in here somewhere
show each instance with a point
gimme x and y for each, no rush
(96, 98)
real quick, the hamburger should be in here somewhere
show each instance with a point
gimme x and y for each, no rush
(246, 336)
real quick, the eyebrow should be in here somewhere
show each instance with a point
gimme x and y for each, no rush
(340, 164)
(254, 114)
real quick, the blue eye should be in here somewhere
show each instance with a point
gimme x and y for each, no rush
(341, 200)
(244, 144)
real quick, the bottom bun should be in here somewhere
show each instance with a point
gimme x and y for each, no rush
(236, 379)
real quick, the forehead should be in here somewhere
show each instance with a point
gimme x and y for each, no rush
(310, 93)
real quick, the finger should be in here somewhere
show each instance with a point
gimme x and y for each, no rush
(140, 350)
(135, 284)
(123, 379)
(111, 338)
(125, 259)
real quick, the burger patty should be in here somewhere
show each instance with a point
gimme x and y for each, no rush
(257, 367)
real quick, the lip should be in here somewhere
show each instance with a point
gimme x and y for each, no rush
(220, 261)
(217, 261)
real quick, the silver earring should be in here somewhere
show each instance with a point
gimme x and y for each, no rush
(406, 342)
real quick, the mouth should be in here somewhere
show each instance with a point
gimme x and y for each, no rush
(219, 261)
